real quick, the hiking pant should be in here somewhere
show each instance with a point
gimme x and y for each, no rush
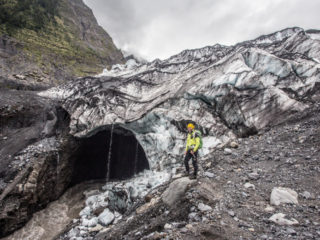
(194, 157)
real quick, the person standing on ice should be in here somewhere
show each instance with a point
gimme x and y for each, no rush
(194, 143)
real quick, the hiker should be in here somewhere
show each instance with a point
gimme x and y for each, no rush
(194, 142)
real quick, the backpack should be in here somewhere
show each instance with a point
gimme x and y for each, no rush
(197, 133)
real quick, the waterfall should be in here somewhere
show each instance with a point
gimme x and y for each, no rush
(109, 153)
(136, 158)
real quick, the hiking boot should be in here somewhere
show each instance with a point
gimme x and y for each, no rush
(186, 174)
(193, 177)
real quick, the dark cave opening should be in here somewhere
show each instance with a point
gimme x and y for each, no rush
(91, 158)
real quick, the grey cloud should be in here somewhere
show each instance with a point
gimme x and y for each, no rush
(159, 29)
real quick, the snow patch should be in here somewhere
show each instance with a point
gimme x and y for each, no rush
(120, 69)
(314, 36)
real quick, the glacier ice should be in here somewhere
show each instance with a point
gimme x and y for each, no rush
(228, 91)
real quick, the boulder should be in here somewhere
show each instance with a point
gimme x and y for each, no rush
(106, 217)
(176, 190)
(249, 185)
(227, 151)
(234, 145)
(204, 208)
(306, 195)
(279, 218)
(148, 205)
(90, 222)
(283, 195)
(209, 174)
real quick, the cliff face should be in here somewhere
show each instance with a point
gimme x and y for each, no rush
(70, 43)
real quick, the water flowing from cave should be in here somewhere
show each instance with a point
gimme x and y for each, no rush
(109, 153)
(136, 159)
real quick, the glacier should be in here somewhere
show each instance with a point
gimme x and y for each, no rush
(228, 92)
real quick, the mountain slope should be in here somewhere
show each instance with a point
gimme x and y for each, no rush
(66, 42)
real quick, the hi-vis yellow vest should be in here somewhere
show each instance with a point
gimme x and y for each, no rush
(193, 142)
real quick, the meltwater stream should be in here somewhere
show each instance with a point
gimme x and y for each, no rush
(109, 153)
(89, 205)
(96, 205)
(51, 221)
(136, 159)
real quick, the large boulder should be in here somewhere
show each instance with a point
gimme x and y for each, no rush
(176, 190)
(283, 195)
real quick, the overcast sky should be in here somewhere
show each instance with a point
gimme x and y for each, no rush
(161, 28)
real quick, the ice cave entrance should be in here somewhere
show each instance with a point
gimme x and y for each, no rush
(92, 156)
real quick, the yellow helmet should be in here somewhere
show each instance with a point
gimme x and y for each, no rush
(190, 125)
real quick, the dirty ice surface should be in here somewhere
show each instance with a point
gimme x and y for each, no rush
(106, 205)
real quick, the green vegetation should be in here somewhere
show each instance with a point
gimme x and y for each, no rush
(50, 39)
(30, 14)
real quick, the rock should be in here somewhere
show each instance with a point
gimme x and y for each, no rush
(227, 151)
(19, 76)
(269, 209)
(97, 228)
(30, 187)
(98, 211)
(291, 231)
(90, 222)
(249, 185)
(192, 215)
(279, 218)
(308, 234)
(306, 195)
(184, 230)
(178, 224)
(244, 194)
(234, 145)
(179, 175)
(106, 217)
(283, 195)
(74, 232)
(176, 190)
(204, 219)
(156, 236)
(209, 174)
(148, 197)
(85, 212)
(231, 213)
(167, 226)
(204, 208)
(189, 226)
(254, 176)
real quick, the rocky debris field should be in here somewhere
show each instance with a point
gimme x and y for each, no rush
(231, 199)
